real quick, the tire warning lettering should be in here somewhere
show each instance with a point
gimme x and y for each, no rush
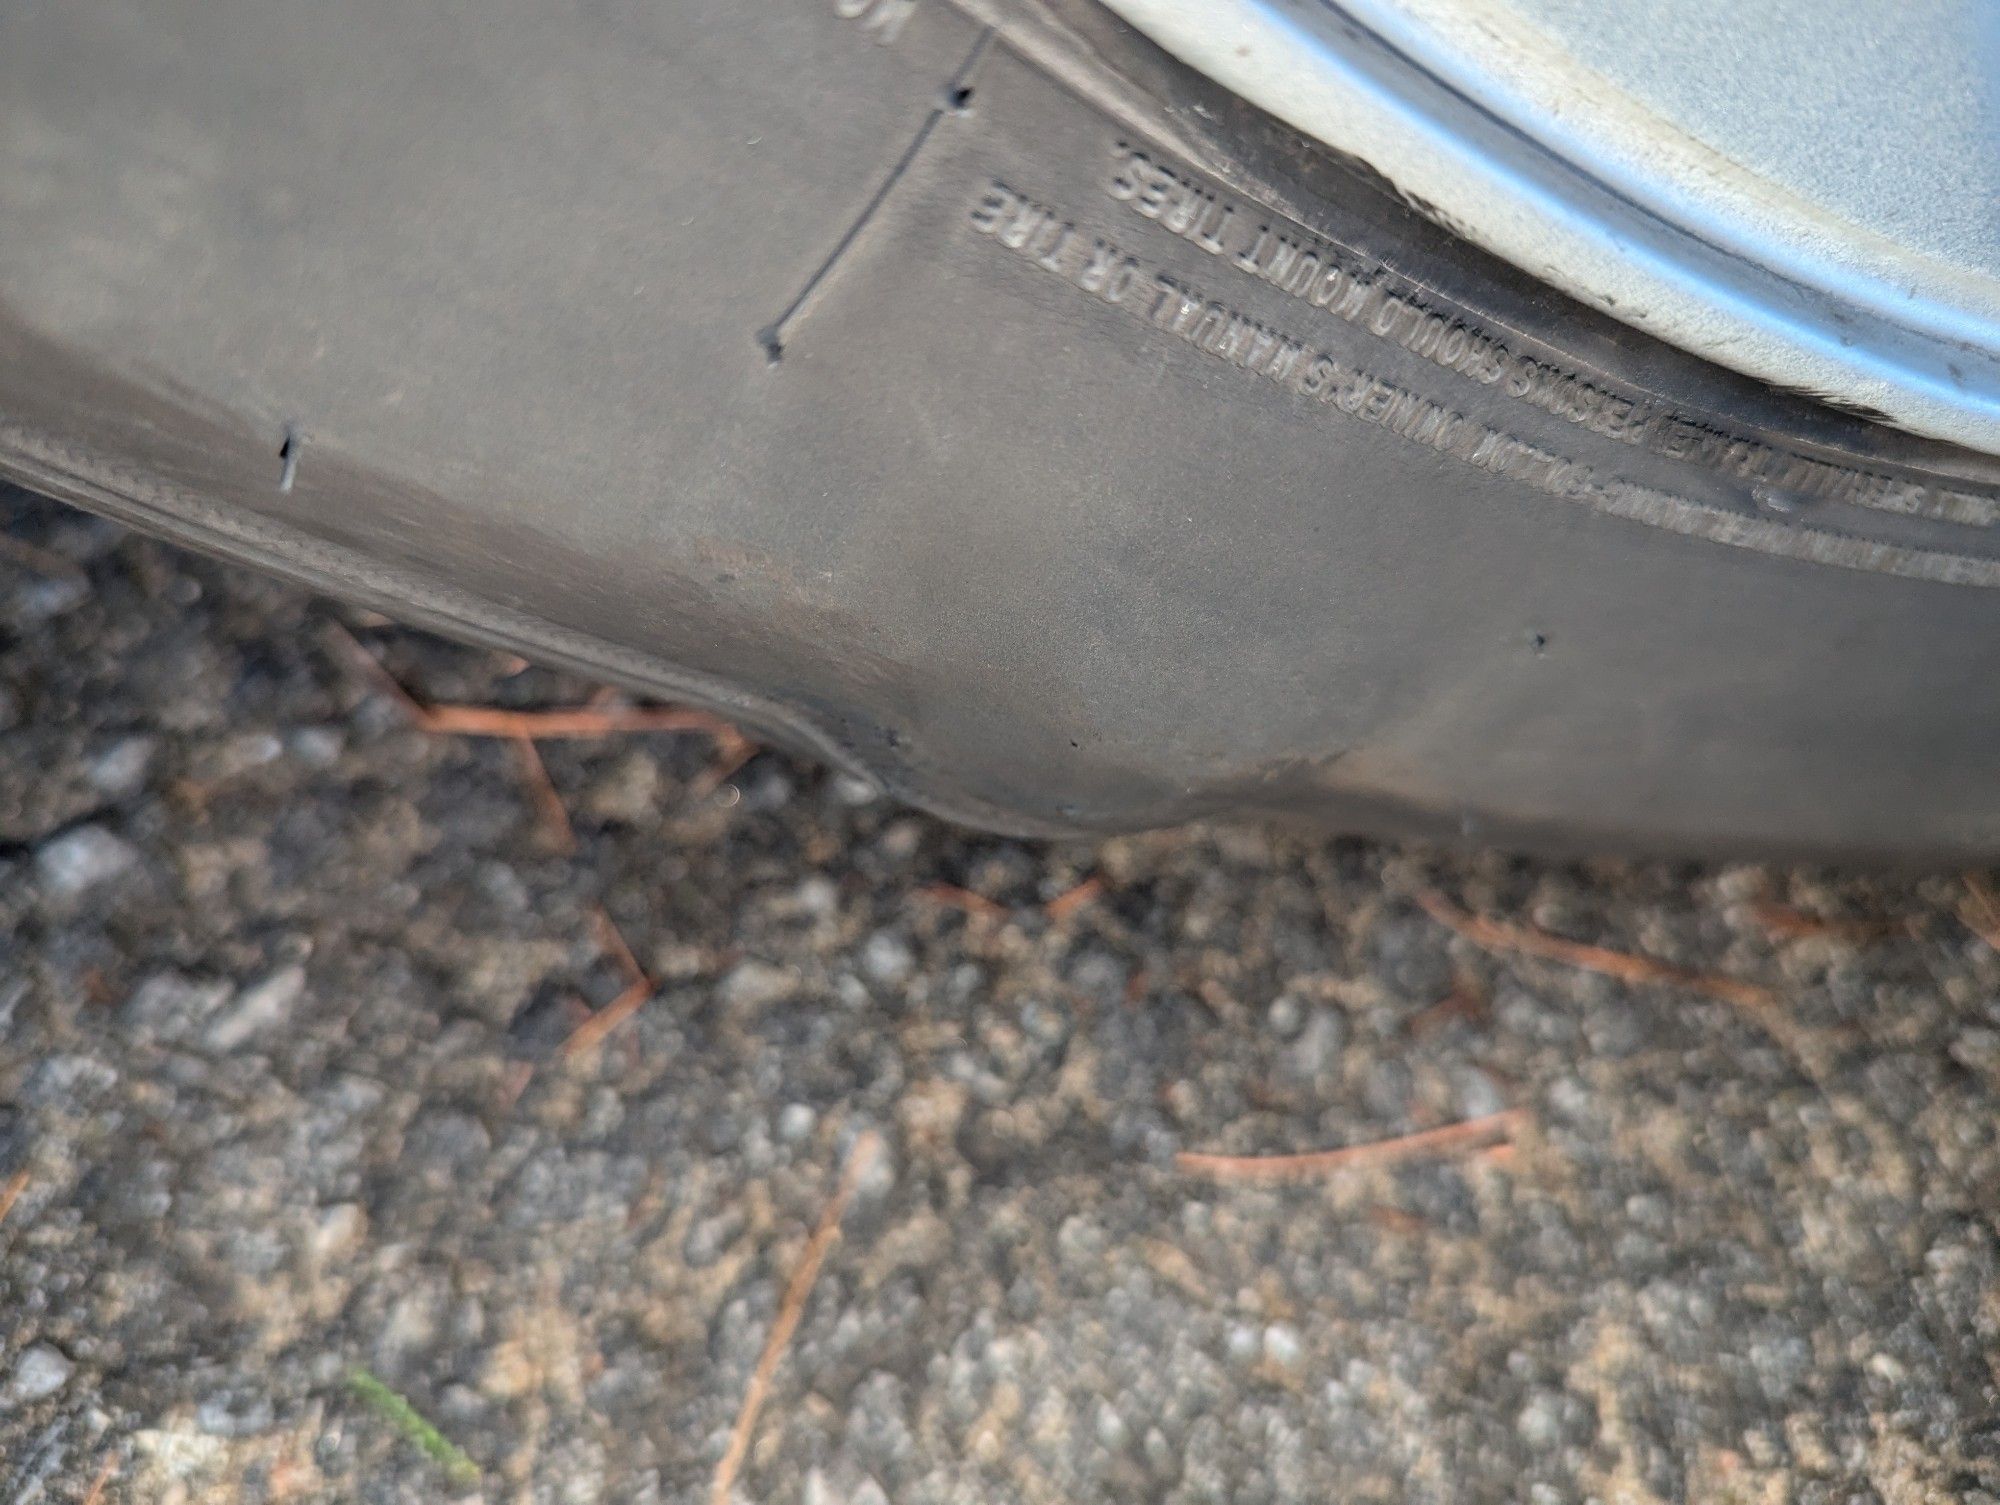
(1167, 304)
(1365, 294)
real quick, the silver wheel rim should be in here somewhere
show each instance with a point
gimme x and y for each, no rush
(1848, 248)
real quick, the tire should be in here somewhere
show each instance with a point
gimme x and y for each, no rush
(984, 401)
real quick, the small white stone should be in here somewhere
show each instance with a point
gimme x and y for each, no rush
(853, 791)
(1111, 1428)
(817, 895)
(172, 1008)
(39, 1373)
(1538, 1424)
(1887, 1368)
(229, 1415)
(261, 1006)
(317, 746)
(79, 860)
(121, 768)
(339, 1232)
(50, 596)
(251, 750)
(1318, 1045)
(886, 959)
(1282, 1346)
(753, 984)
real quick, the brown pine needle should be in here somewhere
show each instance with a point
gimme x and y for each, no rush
(1781, 922)
(1496, 935)
(1981, 911)
(1396, 1220)
(347, 646)
(732, 751)
(550, 810)
(1464, 1001)
(104, 1473)
(1473, 1133)
(11, 1193)
(1064, 905)
(790, 1308)
(613, 942)
(953, 897)
(1218, 1000)
(514, 1083)
(572, 721)
(545, 724)
(588, 1035)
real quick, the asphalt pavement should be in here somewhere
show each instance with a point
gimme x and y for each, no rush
(327, 1175)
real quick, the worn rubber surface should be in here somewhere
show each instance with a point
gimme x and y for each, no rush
(981, 399)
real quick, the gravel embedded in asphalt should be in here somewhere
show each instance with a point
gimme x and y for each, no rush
(284, 990)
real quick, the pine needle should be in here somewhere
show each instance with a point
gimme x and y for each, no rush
(1473, 1133)
(790, 1308)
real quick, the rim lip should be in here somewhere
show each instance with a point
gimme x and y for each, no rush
(1610, 203)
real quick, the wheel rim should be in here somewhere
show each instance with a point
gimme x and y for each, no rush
(1847, 248)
